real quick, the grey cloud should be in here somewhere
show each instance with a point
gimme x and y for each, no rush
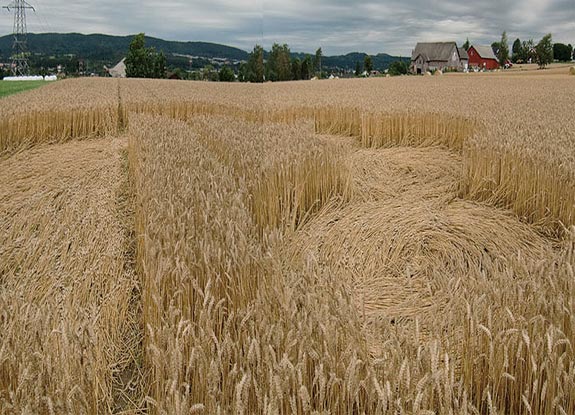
(338, 26)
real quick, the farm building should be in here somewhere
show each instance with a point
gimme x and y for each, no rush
(482, 57)
(118, 71)
(464, 58)
(438, 55)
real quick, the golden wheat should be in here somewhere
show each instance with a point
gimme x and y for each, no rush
(68, 321)
(223, 279)
(63, 110)
(291, 248)
(291, 175)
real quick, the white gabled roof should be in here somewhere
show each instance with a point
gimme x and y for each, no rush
(434, 51)
(118, 71)
(485, 51)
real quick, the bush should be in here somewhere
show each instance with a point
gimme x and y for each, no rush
(226, 74)
(398, 68)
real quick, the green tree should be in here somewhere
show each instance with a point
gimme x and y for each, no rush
(209, 73)
(495, 47)
(368, 64)
(466, 45)
(544, 50)
(159, 62)
(296, 69)
(242, 73)
(142, 62)
(278, 66)
(503, 53)
(357, 69)
(283, 63)
(317, 62)
(254, 70)
(306, 67)
(562, 52)
(398, 68)
(226, 74)
(517, 50)
(179, 73)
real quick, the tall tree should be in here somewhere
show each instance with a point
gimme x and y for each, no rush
(517, 50)
(243, 72)
(562, 52)
(159, 60)
(317, 61)
(142, 62)
(306, 67)
(136, 59)
(503, 53)
(368, 64)
(495, 47)
(281, 57)
(357, 69)
(279, 63)
(284, 63)
(270, 65)
(296, 69)
(466, 45)
(254, 70)
(544, 51)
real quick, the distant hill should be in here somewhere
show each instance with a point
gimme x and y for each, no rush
(380, 61)
(113, 48)
(106, 48)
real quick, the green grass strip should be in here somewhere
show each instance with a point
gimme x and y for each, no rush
(14, 87)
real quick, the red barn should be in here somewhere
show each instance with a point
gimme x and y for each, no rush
(482, 57)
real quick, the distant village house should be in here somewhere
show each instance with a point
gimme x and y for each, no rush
(427, 57)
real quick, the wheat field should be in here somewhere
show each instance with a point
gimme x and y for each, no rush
(378, 246)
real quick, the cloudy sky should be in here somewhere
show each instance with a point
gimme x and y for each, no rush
(338, 26)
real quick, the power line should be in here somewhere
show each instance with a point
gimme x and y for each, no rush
(42, 20)
(20, 46)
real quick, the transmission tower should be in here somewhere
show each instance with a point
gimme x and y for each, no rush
(19, 47)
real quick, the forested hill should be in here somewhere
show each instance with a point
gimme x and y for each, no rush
(107, 48)
(113, 48)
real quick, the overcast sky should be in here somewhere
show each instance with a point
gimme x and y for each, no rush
(338, 26)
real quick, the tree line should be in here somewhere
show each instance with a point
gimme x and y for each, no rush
(542, 53)
(279, 65)
(276, 65)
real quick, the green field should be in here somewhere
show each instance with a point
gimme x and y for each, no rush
(13, 87)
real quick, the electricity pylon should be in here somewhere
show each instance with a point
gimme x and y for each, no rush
(20, 46)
